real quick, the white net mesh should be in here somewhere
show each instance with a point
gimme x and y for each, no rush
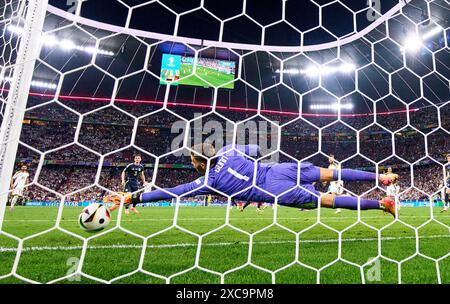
(367, 83)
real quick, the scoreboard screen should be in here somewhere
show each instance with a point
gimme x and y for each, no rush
(177, 69)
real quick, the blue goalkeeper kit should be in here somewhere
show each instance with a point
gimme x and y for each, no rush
(234, 175)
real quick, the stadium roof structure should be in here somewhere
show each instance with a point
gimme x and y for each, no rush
(280, 47)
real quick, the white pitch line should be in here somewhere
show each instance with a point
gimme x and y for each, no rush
(183, 245)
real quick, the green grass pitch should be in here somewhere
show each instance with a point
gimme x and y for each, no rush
(213, 77)
(52, 255)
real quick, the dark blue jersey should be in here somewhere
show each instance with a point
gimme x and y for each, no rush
(447, 176)
(133, 172)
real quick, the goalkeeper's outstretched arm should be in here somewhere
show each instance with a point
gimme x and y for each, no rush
(191, 189)
(194, 188)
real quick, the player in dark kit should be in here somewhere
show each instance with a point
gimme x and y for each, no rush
(130, 179)
(447, 185)
(234, 175)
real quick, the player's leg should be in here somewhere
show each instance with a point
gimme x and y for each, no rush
(310, 174)
(133, 208)
(308, 197)
(446, 201)
(260, 207)
(334, 189)
(397, 202)
(349, 202)
(134, 188)
(244, 206)
(127, 189)
(13, 202)
(349, 175)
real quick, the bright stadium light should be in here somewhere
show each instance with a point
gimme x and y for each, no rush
(414, 43)
(327, 70)
(15, 29)
(34, 83)
(42, 84)
(49, 41)
(288, 71)
(431, 33)
(348, 68)
(65, 44)
(332, 106)
(314, 71)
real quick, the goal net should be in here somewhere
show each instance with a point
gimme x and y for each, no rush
(86, 86)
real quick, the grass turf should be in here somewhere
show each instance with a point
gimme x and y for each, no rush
(213, 77)
(54, 254)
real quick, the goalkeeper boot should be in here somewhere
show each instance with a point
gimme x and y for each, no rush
(388, 205)
(134, 210)
(388, 179)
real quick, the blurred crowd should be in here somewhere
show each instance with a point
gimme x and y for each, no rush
(71, 158)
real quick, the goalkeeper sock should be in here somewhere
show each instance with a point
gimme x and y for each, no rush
(349, 202)
(354, 175)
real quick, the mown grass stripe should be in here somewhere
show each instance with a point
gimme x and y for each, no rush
(181, 245)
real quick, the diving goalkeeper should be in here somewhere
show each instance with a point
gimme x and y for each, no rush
(233, 174)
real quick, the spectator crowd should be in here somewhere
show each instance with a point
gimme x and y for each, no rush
(105, 138)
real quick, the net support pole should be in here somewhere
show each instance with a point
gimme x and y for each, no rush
(11, 127)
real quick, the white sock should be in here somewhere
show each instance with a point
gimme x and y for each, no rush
(14, 201)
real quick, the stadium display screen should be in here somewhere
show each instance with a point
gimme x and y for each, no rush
(215, 72)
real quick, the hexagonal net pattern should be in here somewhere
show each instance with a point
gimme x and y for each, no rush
(366, 83)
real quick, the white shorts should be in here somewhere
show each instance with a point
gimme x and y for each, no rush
(18, 191)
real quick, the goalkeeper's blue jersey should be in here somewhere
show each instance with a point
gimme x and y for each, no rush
(234, 176)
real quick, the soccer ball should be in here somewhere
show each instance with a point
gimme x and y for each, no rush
(94, 217)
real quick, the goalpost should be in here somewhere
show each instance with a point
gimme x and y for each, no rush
(30, 15)
(33, 14)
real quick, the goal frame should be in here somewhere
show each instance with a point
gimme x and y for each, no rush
(16, 104)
